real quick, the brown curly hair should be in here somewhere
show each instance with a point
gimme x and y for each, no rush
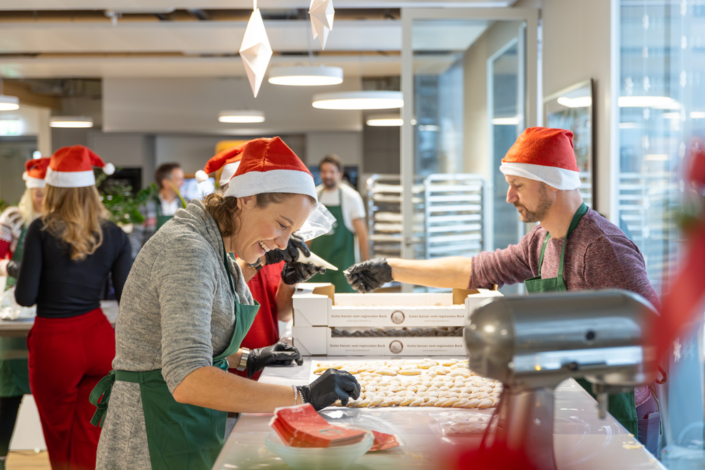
(225, 212)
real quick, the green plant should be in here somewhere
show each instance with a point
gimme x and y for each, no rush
(124, 207)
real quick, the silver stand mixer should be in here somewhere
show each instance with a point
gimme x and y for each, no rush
(533, 343)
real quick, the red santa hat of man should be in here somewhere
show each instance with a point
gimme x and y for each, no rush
(228, 160)
(270, 166)
(35, 172)
(545, 155)
(72, 167)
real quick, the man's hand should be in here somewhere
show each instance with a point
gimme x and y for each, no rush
(290, 254)
(369, 275)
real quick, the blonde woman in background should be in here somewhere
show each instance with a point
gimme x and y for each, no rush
(14, 376)
(69, 253)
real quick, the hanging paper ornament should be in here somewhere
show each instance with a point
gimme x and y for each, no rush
(322, 14)
(255, 51)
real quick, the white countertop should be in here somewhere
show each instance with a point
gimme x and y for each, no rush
(581, 440)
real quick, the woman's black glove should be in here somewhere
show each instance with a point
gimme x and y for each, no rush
(293, 273)
(333, 385)
(290, 254)
(369, 275)
(280, 354)
(13, 269)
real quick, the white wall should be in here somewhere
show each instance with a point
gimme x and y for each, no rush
(192, 152)
(346, 145)
(125, 150)
(191, 105)
(576, 47)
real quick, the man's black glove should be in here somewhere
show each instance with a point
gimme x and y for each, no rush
(333, 385)
(369, 275)
(291, 253)
(280, 354)
(293, 273)
(13, 269)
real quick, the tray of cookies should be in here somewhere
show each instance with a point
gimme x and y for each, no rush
(428, 383)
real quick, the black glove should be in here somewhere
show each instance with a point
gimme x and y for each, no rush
(333, 385)
(293, 273)
(291, 253)
(369, 275)
(280, 354)
(13, 269)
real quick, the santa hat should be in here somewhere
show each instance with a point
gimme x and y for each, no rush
(35, 172)
(269, 166)
(546, 155)
(228, 160)
(72, 167)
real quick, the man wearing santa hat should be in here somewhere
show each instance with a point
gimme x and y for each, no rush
(573, 248)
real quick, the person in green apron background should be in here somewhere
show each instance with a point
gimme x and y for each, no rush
(572, 248)
(184, 312)
(159, 210)
(338, 246)
(14, 373)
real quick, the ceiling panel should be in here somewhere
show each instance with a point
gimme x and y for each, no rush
(155, 5)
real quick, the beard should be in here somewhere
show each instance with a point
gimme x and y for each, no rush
(539, 214)
(329, 183)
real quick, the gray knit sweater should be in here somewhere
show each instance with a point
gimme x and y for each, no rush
(177, 312)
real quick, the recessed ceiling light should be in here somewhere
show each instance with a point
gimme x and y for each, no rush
(9, 103)
(359, 100)
(241, 116)
(306, 76)
(71, 121)
(384, 120)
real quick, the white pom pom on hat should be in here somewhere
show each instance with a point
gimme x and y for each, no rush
(201, 176)
(109, 169)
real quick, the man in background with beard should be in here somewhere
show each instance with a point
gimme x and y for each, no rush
(338, 246)
(573, 248)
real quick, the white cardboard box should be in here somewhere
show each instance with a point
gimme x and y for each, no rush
(317, 341)
(318, 305)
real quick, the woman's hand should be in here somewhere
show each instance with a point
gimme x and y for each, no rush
(291, 253)
(369, 275)
(280, 354)
(294, 273)
(333, 385)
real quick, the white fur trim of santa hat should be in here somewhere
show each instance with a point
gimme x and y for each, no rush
(70, 179)
(558, 178)
(34, 183)
(273, 181)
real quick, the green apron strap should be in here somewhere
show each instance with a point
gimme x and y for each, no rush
(582, 210)
(543, 251)
(103, 389)
(17, 256)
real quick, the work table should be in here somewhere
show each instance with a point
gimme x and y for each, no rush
(581, 439)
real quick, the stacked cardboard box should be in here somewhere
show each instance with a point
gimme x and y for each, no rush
(370, 317)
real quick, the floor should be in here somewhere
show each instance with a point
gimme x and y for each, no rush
(27, 460)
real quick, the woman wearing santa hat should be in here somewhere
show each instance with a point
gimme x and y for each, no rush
(273, 293)
(184, 312)
(14, 376)
(69, 253)
(573, 248)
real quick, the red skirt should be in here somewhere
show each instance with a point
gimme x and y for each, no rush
(67, 358)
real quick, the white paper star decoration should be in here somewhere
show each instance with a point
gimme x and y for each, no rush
(322, 14)
(255, 51)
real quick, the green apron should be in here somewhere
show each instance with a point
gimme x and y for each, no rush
(162, 219)
(179, 436)
(623, 405)
(338, 248)
(14, 373)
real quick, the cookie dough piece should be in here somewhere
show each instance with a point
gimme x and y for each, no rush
(410, 372)
(448, 362)
(473, 403)
(363, 403)
(376, 401)
(460, 372)
(418, 402)
(320, 370)
(486, 403)
(430, 402)
(386, 371)
(450, 402)
(462, 403)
